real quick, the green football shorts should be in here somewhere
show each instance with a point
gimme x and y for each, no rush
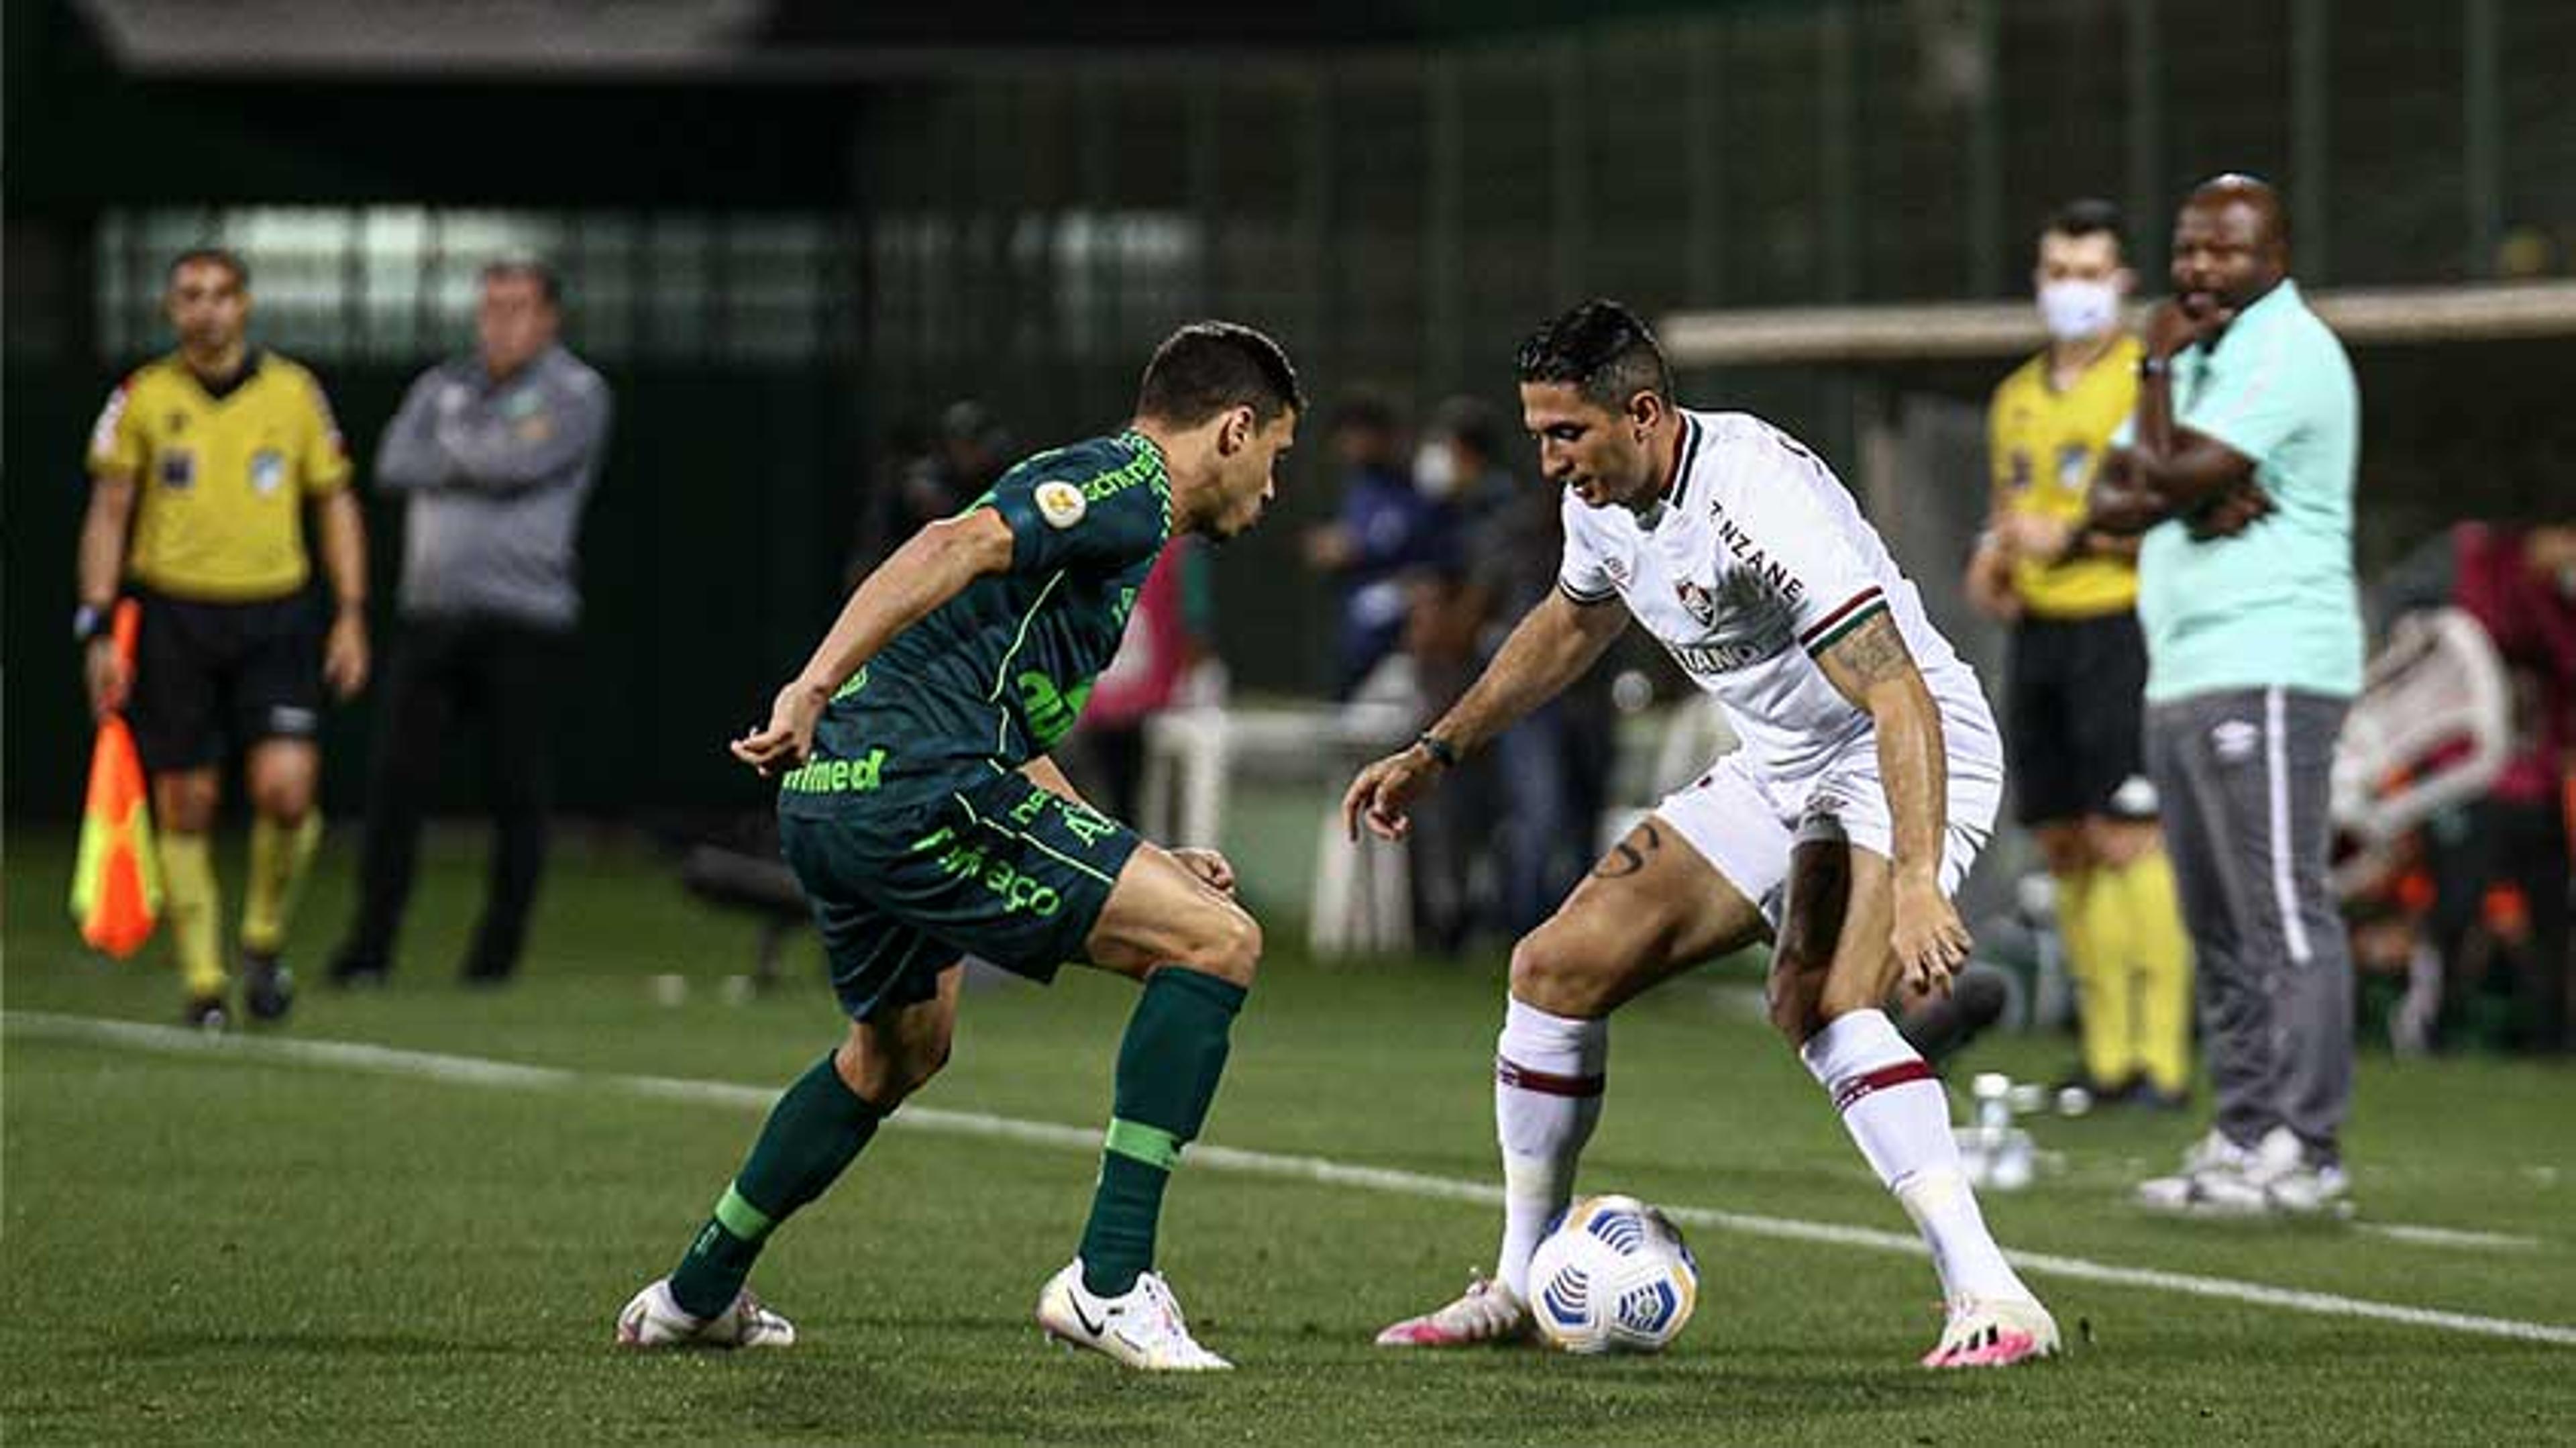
(997, 868)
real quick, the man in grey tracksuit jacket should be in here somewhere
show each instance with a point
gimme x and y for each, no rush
(495, 453)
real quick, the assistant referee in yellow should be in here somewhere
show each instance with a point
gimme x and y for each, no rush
(201, 468)
(2074, 708)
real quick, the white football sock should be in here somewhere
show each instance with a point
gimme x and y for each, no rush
(1894, 1107)
(1547, 1098)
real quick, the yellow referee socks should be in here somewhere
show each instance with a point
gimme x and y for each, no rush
(2089, 922)
(191, 907)
(278, 857)
(2159, 959)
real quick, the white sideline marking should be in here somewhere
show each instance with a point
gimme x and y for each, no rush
(479, 1071)
(2449, 1237)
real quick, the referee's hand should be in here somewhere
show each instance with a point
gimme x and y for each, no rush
(110, 677)
(344, 655)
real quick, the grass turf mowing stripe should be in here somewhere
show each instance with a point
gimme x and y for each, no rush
(480, 1071)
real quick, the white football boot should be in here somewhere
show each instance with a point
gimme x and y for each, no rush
(653, 1319)
(1142, 1328)
(2300, 1185)
(1994, 1332)
(2218, 1178)
(1487, 1311)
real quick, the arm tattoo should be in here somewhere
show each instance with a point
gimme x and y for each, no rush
(1873, 653)
(1629, 855)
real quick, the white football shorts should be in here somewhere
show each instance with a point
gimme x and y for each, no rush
(1746, 822)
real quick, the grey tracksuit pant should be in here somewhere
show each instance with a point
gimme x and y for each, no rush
(2243, 780)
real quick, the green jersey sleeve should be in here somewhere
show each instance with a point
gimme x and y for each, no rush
(1099, 516)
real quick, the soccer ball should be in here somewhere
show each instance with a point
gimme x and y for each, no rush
(1614, 1276)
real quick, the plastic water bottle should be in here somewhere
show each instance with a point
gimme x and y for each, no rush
(1995, 1153)
(1992, 1091)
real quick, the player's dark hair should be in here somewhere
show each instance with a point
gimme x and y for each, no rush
(1603, 350)
(527, 268)
(2088, 216)
(222, 256)
(1207, 367)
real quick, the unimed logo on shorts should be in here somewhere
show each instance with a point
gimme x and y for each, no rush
(837, 776)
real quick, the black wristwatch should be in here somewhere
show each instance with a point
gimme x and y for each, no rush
(1442, 752)
(2151, 365)
(89, 621)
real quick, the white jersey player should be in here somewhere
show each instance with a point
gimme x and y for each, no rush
(1869, 776)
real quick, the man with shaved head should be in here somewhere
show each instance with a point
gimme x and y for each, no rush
(2238, 468)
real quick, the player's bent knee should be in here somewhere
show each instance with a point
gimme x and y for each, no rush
(1556, 979)
(1232, 949)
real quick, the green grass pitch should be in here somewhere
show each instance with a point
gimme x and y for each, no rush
(229, 1248)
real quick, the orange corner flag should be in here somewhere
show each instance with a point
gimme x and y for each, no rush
(116, 886)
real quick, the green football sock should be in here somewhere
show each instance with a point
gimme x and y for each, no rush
(1168, 1068)
(813, 1134)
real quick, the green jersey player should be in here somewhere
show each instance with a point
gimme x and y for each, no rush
(925, 821)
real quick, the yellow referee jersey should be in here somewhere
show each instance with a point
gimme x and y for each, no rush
(2043, 446)
(220, 478)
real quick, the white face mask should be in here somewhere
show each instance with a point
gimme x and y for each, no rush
(2075, 310)
(1435, 470)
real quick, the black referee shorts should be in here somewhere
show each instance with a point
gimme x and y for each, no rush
(211, 674)
(2075, 720)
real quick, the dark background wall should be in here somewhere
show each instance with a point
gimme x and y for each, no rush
(1398, 197)
(714, 548)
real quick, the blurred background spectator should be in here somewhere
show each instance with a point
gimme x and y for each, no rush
(1383, 531)
(931, 472)
(2498, 922)
(495, 453)
(1547, 778)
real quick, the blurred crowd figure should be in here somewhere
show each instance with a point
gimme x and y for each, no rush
(1386, 533)
(1434, 564)
(930, 472)
(1553, 768)
(495, 453)
(2495, 916)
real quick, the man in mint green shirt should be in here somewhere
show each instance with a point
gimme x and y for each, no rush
(2239, 467)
